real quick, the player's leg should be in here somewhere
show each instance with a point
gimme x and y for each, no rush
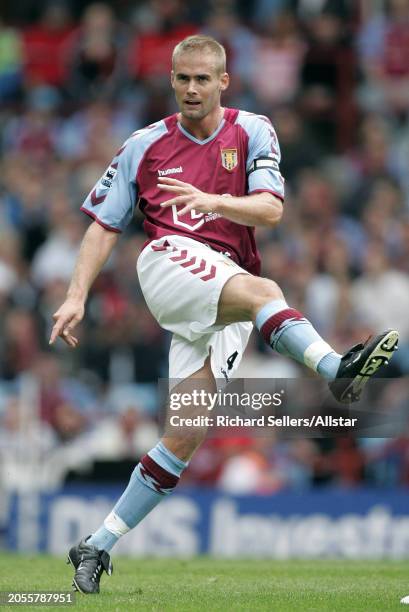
(155, 477)
(285, 329)
(183, 442)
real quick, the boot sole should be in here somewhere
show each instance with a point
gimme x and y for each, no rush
(380, 355)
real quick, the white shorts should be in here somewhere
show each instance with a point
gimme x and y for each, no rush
(181, 280)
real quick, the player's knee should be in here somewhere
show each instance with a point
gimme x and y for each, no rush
(264, 291)
(244, 295)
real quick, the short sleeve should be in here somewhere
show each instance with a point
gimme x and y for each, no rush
(263, 159)
(112, 201)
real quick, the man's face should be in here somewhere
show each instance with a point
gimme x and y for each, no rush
(198, 83)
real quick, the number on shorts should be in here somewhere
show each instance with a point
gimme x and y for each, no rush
(231, 360)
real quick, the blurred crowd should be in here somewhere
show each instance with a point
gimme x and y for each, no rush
(76, 78)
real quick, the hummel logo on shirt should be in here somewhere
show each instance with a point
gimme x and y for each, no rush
(170, 171)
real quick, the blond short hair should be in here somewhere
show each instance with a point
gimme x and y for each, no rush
(201, 43)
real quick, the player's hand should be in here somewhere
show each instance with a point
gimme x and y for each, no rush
(187, 195)
(66, 318)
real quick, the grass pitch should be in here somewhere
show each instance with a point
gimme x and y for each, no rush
(207, 584)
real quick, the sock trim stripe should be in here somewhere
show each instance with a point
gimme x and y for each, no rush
(269, 310)
(162, 479)
(273, 324)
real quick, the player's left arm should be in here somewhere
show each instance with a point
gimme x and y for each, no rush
(263, 206)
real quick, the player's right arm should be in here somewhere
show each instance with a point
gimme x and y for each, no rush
(96, 248)
(111, 204)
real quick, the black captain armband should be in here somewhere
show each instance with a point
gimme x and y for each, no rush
(270, 163)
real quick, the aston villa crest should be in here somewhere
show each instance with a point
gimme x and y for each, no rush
(230, 158)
